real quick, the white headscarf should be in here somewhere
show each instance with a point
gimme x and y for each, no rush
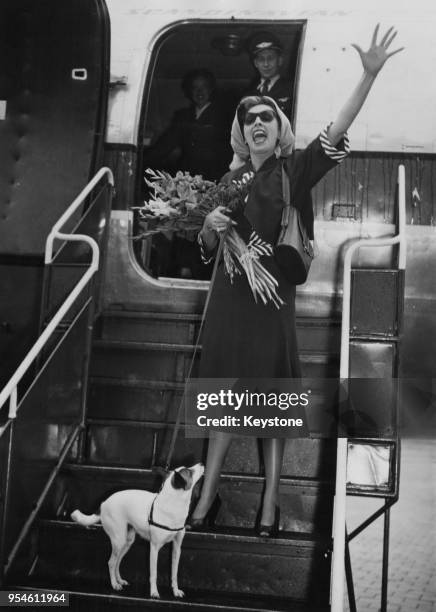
(240, 148)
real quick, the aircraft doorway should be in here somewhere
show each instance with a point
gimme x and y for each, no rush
(191, 63)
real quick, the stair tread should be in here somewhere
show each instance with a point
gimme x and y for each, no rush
(170, 385)
(307, 356)
(180, 316)
(235, 536)
(140, 314)
(225, 477)
(161, 385)
(318, 356)
(109, 422)
(132, 344)
(193, 600)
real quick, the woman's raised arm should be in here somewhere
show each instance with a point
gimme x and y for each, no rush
(372, 62)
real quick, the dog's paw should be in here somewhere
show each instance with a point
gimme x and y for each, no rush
(117, 586)
(123, 582)
(178, 593)
(155, 594)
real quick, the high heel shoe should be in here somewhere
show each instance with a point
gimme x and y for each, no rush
(269, 531)
(206, 522)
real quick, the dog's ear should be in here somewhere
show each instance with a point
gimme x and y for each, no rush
(178, 481)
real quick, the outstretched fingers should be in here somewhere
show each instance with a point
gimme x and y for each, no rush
(375, 57)
(388, 42)
(394, 52)
(385, 42)
(387, 39)
(358, 49)
(386, 36)
(375, 34)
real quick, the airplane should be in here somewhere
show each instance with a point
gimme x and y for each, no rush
(94, 84)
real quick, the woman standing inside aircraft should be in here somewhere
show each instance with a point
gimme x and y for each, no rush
(198, 133)
(247, 339)
(195, 141)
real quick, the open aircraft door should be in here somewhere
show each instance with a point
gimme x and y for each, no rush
(54, 75)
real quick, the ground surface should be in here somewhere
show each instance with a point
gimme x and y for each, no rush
(412, 559)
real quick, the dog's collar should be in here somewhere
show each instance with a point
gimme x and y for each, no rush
(153, 522)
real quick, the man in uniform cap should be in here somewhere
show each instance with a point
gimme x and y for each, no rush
(266, 53)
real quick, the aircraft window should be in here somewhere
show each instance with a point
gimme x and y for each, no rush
(194, 66)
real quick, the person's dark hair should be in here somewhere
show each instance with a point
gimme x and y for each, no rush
(197, 73)
(248, 102)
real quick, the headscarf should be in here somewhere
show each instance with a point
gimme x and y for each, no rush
(240, 148)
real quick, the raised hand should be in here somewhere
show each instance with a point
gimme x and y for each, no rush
(374, 59)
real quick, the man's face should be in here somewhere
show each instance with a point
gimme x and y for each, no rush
(268, 63)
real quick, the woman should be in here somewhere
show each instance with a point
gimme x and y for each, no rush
(198, 133)
(247, 339)
(195, 141)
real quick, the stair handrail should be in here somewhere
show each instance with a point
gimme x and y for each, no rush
(10, 391)
(339, 525)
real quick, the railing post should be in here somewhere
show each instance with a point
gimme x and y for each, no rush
(339, 510)
(385, 566)
(82, 441)
(349, 575)
(6, 496)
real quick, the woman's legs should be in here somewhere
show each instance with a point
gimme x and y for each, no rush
(219, 443)
(273, 458)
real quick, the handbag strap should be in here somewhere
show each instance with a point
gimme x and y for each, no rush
(309, 244)
(191, 365)
(286, 191)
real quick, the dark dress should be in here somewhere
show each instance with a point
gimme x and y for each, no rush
(243, 338)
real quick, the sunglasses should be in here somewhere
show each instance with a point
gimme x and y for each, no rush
(266, 116)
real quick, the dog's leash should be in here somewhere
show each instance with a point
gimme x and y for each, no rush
(151, 521)
(188, 377)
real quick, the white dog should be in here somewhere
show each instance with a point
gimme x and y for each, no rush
(157, 517)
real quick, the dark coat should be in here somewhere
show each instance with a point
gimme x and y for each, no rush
(202, 144)
(247, 339)
(280, 92)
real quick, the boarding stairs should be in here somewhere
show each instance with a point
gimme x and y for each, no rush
(128, 429)
(138, 363)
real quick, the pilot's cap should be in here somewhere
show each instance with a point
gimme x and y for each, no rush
(261, 41)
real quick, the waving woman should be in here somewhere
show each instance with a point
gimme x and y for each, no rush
(242, 338)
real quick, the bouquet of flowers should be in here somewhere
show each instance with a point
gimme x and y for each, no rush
(179, 205)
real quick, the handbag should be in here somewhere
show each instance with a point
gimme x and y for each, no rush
(293, 251)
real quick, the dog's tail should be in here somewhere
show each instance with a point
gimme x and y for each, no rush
(85, 519)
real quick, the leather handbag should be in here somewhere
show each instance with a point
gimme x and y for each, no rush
(293, 251)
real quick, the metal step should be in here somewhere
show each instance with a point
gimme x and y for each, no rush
(322, 334)
(149, 326)
(296, 567)
(131, 360)
(144, 444)
(306, 504)
(136, 360)
(85, 598)
(159, 401)
(138, 400)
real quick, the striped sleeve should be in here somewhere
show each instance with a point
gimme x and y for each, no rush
(259, 246)
(206, 257)
(337, 153)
